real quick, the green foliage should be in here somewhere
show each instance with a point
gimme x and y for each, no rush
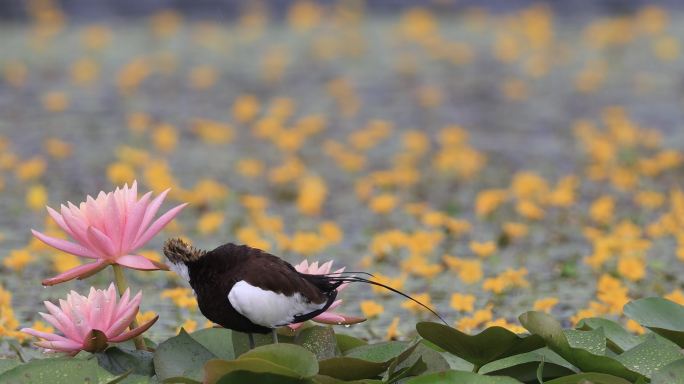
(598, 351)
(491, 344)
(661, 316)
(61, 370)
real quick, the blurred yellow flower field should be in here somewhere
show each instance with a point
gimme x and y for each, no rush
(483, 162)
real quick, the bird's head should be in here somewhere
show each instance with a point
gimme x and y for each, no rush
(179, 253)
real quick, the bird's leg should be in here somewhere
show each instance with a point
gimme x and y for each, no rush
(275, 336)
(251, 341)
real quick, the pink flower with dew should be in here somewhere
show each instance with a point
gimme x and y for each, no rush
(327, 317)
(109, 229)
(89, 323)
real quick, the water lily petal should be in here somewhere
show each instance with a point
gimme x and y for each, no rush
(336, 318)
(138, 262)
(134, 332)
(101, 241)
(63, 346)
(158, 225)
(78, 272)
(64, 245)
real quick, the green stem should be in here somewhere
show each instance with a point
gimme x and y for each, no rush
(121, 285)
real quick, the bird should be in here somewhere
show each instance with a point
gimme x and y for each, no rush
(252, 291)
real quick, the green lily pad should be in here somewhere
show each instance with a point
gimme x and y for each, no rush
(296, 358)
(366, 362)
(651, 355)
(118, 360)
(460, 377)
(218, 341)
(319, 340)
(7, 364)
(242, 377)
(660, 315)
(378, 353)
(524, 366)
(491, 344)
(550, 330)
(593, 341)
(181, 356)
(216, 369)
(672, 373)
(346, 342)
(287, 360)
(349, 368)
(593, 378)
(56, 371)
(617, 338)
(241, 341)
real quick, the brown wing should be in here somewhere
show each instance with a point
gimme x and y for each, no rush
(269, 272)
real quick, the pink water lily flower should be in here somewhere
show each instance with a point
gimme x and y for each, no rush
(109, 229)
(90, 323)
(327, 317)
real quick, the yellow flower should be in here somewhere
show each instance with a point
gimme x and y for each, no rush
(529, 186)
(245, 108)
(396, 283)
(667, 48)
(304, 15)
(392, 329)
(209, 222)
(250, 168)
(529, 210)
(545, 304)
(42, 327)
(677, 296)
(254, 203)
(383, 204)
(152, 255)
(469, 271)
(515, 230)
(120, 173)
(213, 132)
(602, 209)
(62, 262)
(463, 303)
(84, 71)
(371, 308)
(58, 149)
(138, 122)
(251, 237)
(307, 243)
(649, 199)
(202, 77)
(55, 101)
(165, 137)
(413, 306)
(189, 325)
(487, 201)
(30, 169)
(331, 232)
(144, 317)
(18, 259)
(631, 268)
(484, 249)
(503, 323)
(181, 297)
(312, 194)
(635, 327)
(36, 197)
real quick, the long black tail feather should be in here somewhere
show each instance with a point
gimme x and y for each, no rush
(348, 273)
(356, 279)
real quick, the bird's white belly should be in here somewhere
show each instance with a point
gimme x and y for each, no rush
(268, 308)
